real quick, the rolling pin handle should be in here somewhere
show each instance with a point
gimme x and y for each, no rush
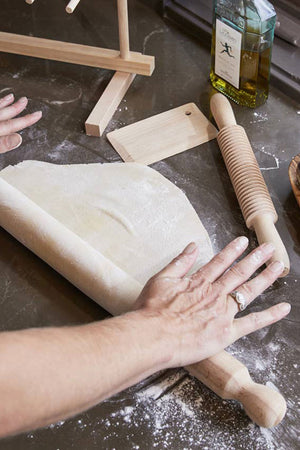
(222, 111)
(230, 379)
(265, 406)
(266, 231)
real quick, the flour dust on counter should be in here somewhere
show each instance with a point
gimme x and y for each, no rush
(259, 117)
(174, 411)
(67, 90)
(266, 159)
(62, 150)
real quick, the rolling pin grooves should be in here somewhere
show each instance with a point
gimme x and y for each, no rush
(247, 180)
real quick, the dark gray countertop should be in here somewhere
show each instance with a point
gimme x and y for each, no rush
(188, 416)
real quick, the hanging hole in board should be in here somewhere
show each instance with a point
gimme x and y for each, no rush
(188, 113)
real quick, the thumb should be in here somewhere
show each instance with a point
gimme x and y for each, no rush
(10, 142)
(180, 265)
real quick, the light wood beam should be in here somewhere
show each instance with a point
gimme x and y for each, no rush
(76, 53)
(108, 102)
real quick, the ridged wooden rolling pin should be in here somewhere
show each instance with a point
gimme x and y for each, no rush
(249, 185)
(230, 379)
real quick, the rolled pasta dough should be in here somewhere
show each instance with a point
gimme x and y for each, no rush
(127, 212)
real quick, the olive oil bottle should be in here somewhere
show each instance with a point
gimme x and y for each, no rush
(243, 32)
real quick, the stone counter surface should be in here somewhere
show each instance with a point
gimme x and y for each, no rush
(170, 410)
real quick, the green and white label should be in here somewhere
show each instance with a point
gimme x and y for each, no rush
(228, 53)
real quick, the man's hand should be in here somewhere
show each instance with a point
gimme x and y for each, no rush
(9, 138)
(197, 312)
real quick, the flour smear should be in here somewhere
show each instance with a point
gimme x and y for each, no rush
(172, 410)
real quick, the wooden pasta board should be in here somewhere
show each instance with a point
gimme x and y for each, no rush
(163, 135)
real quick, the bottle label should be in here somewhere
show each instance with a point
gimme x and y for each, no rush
(228, 53)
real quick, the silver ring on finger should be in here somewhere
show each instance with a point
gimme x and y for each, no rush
(239, 298)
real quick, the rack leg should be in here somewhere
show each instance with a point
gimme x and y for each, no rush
(108, 102)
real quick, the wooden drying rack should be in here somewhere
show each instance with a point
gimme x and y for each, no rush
(125, 62)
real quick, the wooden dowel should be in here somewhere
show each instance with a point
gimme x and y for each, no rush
(123, 29)
(70, 8)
